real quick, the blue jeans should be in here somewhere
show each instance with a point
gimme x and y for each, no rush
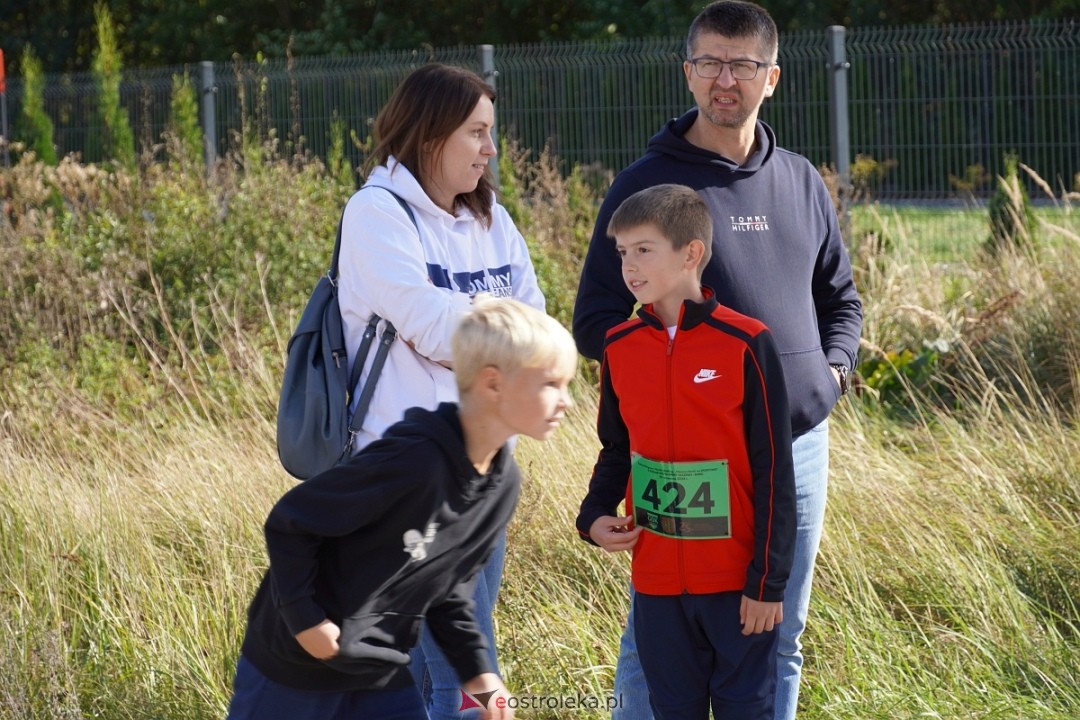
(438, 682)
(257, 697)
(810, 453)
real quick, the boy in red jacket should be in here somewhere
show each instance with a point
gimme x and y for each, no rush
(693, 423)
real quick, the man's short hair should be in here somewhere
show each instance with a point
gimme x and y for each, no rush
(677, 211)
(736, 19)
(510, 335)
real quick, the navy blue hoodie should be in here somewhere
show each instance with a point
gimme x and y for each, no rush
(394, 535)
(777, 256)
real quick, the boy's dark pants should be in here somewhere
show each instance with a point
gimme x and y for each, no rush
(693, 651)
(256, 697)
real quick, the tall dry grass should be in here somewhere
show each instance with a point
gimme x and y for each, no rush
(138, 464)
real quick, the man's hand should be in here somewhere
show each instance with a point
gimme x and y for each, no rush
(757, 617)
(614, 533)
(321, 641)
(489, 688)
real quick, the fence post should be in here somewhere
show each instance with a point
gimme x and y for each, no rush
(209, 90)
(489, 73)
(839, 137)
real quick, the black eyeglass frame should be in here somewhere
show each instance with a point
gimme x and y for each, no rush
(732, 64)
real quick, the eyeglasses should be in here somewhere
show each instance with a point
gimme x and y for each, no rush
(710, 68)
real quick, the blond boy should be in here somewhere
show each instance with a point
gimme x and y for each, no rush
(362, 554)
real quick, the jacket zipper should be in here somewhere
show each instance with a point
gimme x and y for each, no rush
(670, 403)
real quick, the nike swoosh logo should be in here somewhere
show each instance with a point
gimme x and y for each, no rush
(705, 378)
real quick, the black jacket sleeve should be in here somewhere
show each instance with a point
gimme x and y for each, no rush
(334, 503)
(453, 624)
(768, 433)
(603, 300)
(836, 301)
(612, 470)
(452, 620)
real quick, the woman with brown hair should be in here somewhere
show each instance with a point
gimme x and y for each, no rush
(433, 145)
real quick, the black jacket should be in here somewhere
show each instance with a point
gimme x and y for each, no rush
(777, 256)
(396, 534)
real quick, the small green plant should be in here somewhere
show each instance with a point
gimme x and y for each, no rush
(900, 375)
(974, 178)
(338, 163)
(116, 139)
(36, 126)
(866, 174)
(1012, 218)
(186, 134)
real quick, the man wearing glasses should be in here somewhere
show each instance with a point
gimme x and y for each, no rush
(777, 256)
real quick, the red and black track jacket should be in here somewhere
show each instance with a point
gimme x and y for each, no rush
(714, 392)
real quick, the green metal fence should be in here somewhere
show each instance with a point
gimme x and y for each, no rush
(928, 107)
(936, 101)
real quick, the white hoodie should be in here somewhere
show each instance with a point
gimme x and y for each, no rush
(422, 285)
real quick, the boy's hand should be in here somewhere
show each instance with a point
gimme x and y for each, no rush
(321, 641)
(614, 533)
(757, 617)
(489, 687)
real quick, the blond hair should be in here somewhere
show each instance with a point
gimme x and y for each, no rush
(509, 335)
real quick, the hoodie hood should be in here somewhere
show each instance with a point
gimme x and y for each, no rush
(442, 426)
(671, 140)
(399, 179)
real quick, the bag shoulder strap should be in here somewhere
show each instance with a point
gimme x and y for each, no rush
(369, 331)
(388, 337)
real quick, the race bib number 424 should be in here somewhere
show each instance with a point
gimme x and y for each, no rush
(686, 500)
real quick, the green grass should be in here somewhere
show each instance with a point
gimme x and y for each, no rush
(138, 465)
(946, 233)
(946, 584)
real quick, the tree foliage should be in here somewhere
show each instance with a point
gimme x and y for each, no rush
(164, 32)
(186, 135)
(117, 140)
(35, 128)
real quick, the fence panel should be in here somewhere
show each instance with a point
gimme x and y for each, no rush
(590, 103)
(799, 107)
(299, 101)
(930, 103)
(933, 106)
